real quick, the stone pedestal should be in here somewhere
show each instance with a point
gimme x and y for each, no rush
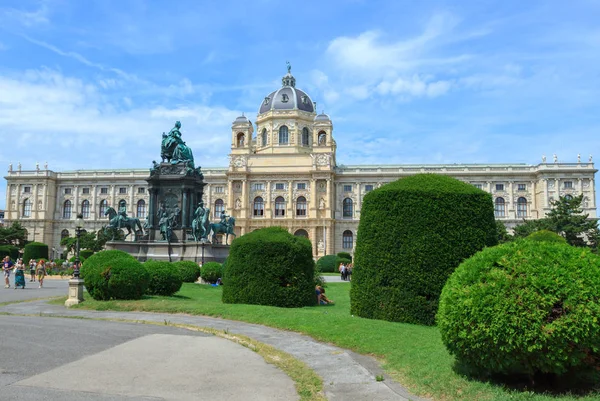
(75, 292)
(160, 250)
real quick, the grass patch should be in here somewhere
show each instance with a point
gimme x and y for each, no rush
(410, 354)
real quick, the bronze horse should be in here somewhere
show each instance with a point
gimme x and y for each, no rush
(130, 223)
(220, 228)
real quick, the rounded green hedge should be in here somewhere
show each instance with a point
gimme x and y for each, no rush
(546, 236)
(114, 275)
(85, 253)
(165, 278)
(270, 267)
(412, 234)
(188, 270)
(327, 264)
(10, 251)
(524, 308)
(35, 250)
(345, 255)
(211, 272)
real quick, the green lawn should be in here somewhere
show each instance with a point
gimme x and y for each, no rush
(413, 355)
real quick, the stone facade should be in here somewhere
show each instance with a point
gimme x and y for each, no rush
(283, 174)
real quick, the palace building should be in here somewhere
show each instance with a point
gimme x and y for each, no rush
(282, 172)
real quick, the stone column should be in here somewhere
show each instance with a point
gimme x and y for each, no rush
(94, 205)
(133, 208)
(533, 201)
(268, 202)
(77, 206)
(330, 199)
(314, 204)
(229, 195)
(290, 213)
(34, 204)
(112, 198)
(359, 200)
(245, 196)
(546, 195)
(593, 194)
(512, 200)
(313, 240)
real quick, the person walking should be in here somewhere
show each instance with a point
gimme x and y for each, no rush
(7, 266)
(20, 274)
(41, 272)
(32, 270)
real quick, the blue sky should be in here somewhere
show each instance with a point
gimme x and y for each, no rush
(93, 84)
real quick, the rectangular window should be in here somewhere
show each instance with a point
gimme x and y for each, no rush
(104, 191)
(280, 186)
(122, 190)
(499, 187)
(568, 184)
(521, 187)
(301, 185)
(219, 189)
(27, 190)
(141, 190)
(68, 191)
(368, 188)
(348, 188)
(258, 186)
(478, 186)
(86, 191)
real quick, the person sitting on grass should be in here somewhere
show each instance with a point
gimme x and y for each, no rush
(321, 297)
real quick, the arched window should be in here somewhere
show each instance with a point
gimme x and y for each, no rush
(301, 233)
(219, 207)
(141, 209)
(85, 209)
(279, 206)
(521, 207)
(240, 140)
(322, 137)
(347, 239)
(103, 207)
(27, 207)
(283, 135)
(499, 207)
(259, 206)
(64, 234)
(347, 207)
(263, 137)
(301, 206)
(67, 209)
(305, 136)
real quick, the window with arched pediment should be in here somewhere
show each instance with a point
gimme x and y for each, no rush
(141, 209)
(322, 137)
(283, 135)
(259, 207)
(27, 207)
(301, 206)
(499, 207)
(103, 208)
(219, 207)
(279, 206)
(305, 137)
(522, 207)
(67, 208)
(85, 209)
(241, 139)
(64, 234)
(347, 208)
(347, 239)
(301, 233)
(263, 137)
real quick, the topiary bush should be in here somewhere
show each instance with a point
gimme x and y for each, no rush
(345, 255)
(188, 270)
(10, 251)
(327, 264)
(270, 266)
(546, 236)
(85, 253)
(35, 250)
(412, 234)
(165, 278)
(114, 275)
(211, 272)
(526, 307)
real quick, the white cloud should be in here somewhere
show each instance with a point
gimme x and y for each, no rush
(25, 18)
(414, 86)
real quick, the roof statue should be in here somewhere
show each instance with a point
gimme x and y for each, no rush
(289, 67)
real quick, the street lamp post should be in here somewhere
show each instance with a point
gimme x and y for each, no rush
(202, 245)
(76, 283)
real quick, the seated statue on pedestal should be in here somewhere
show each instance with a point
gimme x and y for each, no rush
(174, 149)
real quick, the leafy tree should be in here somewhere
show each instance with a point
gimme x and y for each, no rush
(503, 235)
(92, 241)
(530, 226)
(13, 235)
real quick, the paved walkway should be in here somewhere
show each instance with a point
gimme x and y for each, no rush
(346, 375)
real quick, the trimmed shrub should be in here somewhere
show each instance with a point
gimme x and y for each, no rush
(85, 253)
(114, 275)
(270, 266)
(59, 263)
(35, 250)
(345, 255)
(188, 270)
(339, 261)
(165, 278)
(81, 258)
(412, 234)
(526, 307)
(211, 272)
(546, 236)
(10, 251)
(327, 264)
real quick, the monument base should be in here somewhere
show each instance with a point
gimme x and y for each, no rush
(75, 292)
(175, 251)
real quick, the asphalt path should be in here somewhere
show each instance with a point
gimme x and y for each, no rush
(52, 288)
